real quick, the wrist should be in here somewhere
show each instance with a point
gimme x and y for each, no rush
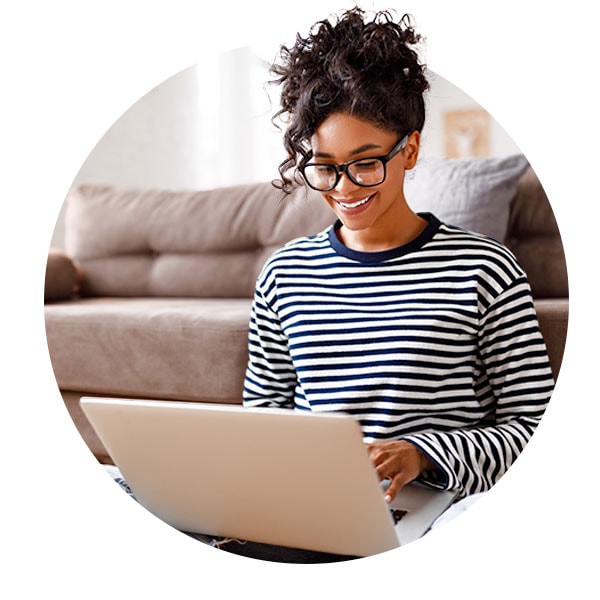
(425, 463)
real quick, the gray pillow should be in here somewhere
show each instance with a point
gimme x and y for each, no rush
(472, 193)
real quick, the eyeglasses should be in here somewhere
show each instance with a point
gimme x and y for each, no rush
(365, 172)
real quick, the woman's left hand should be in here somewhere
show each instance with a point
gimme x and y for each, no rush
(400, 461)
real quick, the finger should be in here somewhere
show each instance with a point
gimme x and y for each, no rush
(373, 449)
(382, 472)
(396, 484)
(378, 458)
(383, 466)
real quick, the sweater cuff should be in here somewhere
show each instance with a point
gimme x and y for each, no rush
(443, 477)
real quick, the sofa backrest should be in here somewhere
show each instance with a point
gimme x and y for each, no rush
(145, 242)
(534, 237)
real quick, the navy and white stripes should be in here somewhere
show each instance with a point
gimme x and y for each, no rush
(436, 342)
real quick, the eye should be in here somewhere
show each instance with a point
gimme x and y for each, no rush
(323, 169)
(367, 165)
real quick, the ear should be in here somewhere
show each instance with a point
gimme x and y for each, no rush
(411, 150)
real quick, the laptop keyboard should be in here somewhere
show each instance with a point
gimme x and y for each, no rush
(397, 514)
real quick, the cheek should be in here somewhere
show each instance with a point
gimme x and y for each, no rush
(394, 182)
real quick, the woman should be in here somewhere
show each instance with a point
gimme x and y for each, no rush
(424, 332)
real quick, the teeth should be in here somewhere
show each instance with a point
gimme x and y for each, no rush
(355, 204)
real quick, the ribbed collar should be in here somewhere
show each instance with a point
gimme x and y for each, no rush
(383, 255)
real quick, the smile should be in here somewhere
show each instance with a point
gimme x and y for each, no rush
(349, 205)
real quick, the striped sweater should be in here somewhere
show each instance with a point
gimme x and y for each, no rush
(435, 342)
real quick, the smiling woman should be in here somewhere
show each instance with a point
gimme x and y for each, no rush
(369, 211)
(421, 330)
(424, 331)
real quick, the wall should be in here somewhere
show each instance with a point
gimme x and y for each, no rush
(443, 97)
(210, 125)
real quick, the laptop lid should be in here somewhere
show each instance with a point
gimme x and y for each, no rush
(277, 476)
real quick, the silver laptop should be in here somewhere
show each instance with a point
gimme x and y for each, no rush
(284, 477)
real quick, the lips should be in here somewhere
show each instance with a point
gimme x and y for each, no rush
(349, 205)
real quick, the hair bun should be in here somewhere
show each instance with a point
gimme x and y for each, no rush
(369, 68)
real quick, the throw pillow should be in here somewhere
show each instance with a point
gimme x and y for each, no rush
(472, 193)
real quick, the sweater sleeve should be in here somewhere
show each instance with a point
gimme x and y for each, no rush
(270, 376)
(516, 367)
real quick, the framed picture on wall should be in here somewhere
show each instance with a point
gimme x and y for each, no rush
(467, 133)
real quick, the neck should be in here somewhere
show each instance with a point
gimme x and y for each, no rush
(377, 239)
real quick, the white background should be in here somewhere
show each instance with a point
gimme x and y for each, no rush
(69, 70)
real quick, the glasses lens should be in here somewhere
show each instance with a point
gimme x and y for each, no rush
(367, 172)
(320, 177)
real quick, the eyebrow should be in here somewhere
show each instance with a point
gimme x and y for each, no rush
(354, 152)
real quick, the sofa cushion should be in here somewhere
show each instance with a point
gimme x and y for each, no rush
(188, 349)
(473, 193)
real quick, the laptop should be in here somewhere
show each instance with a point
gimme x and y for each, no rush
(277, 476)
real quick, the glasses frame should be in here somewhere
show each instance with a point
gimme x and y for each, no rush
(343, 168)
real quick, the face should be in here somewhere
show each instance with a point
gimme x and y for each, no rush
(342, 138)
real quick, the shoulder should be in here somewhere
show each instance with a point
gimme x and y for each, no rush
(297, 253)
(471, 246)
(490, 265)
(474, 257)
(304, 245)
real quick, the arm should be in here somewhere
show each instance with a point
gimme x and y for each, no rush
(270, 376)
(516, 368)
(62, 276)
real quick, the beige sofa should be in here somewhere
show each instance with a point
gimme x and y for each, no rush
(151, 298)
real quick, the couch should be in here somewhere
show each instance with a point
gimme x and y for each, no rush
(151, 295)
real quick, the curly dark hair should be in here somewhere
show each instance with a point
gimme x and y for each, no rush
(368, 69)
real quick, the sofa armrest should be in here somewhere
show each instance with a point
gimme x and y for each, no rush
(62, 277)
(553, 317)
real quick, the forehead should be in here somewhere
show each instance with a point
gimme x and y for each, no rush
(342, 136)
